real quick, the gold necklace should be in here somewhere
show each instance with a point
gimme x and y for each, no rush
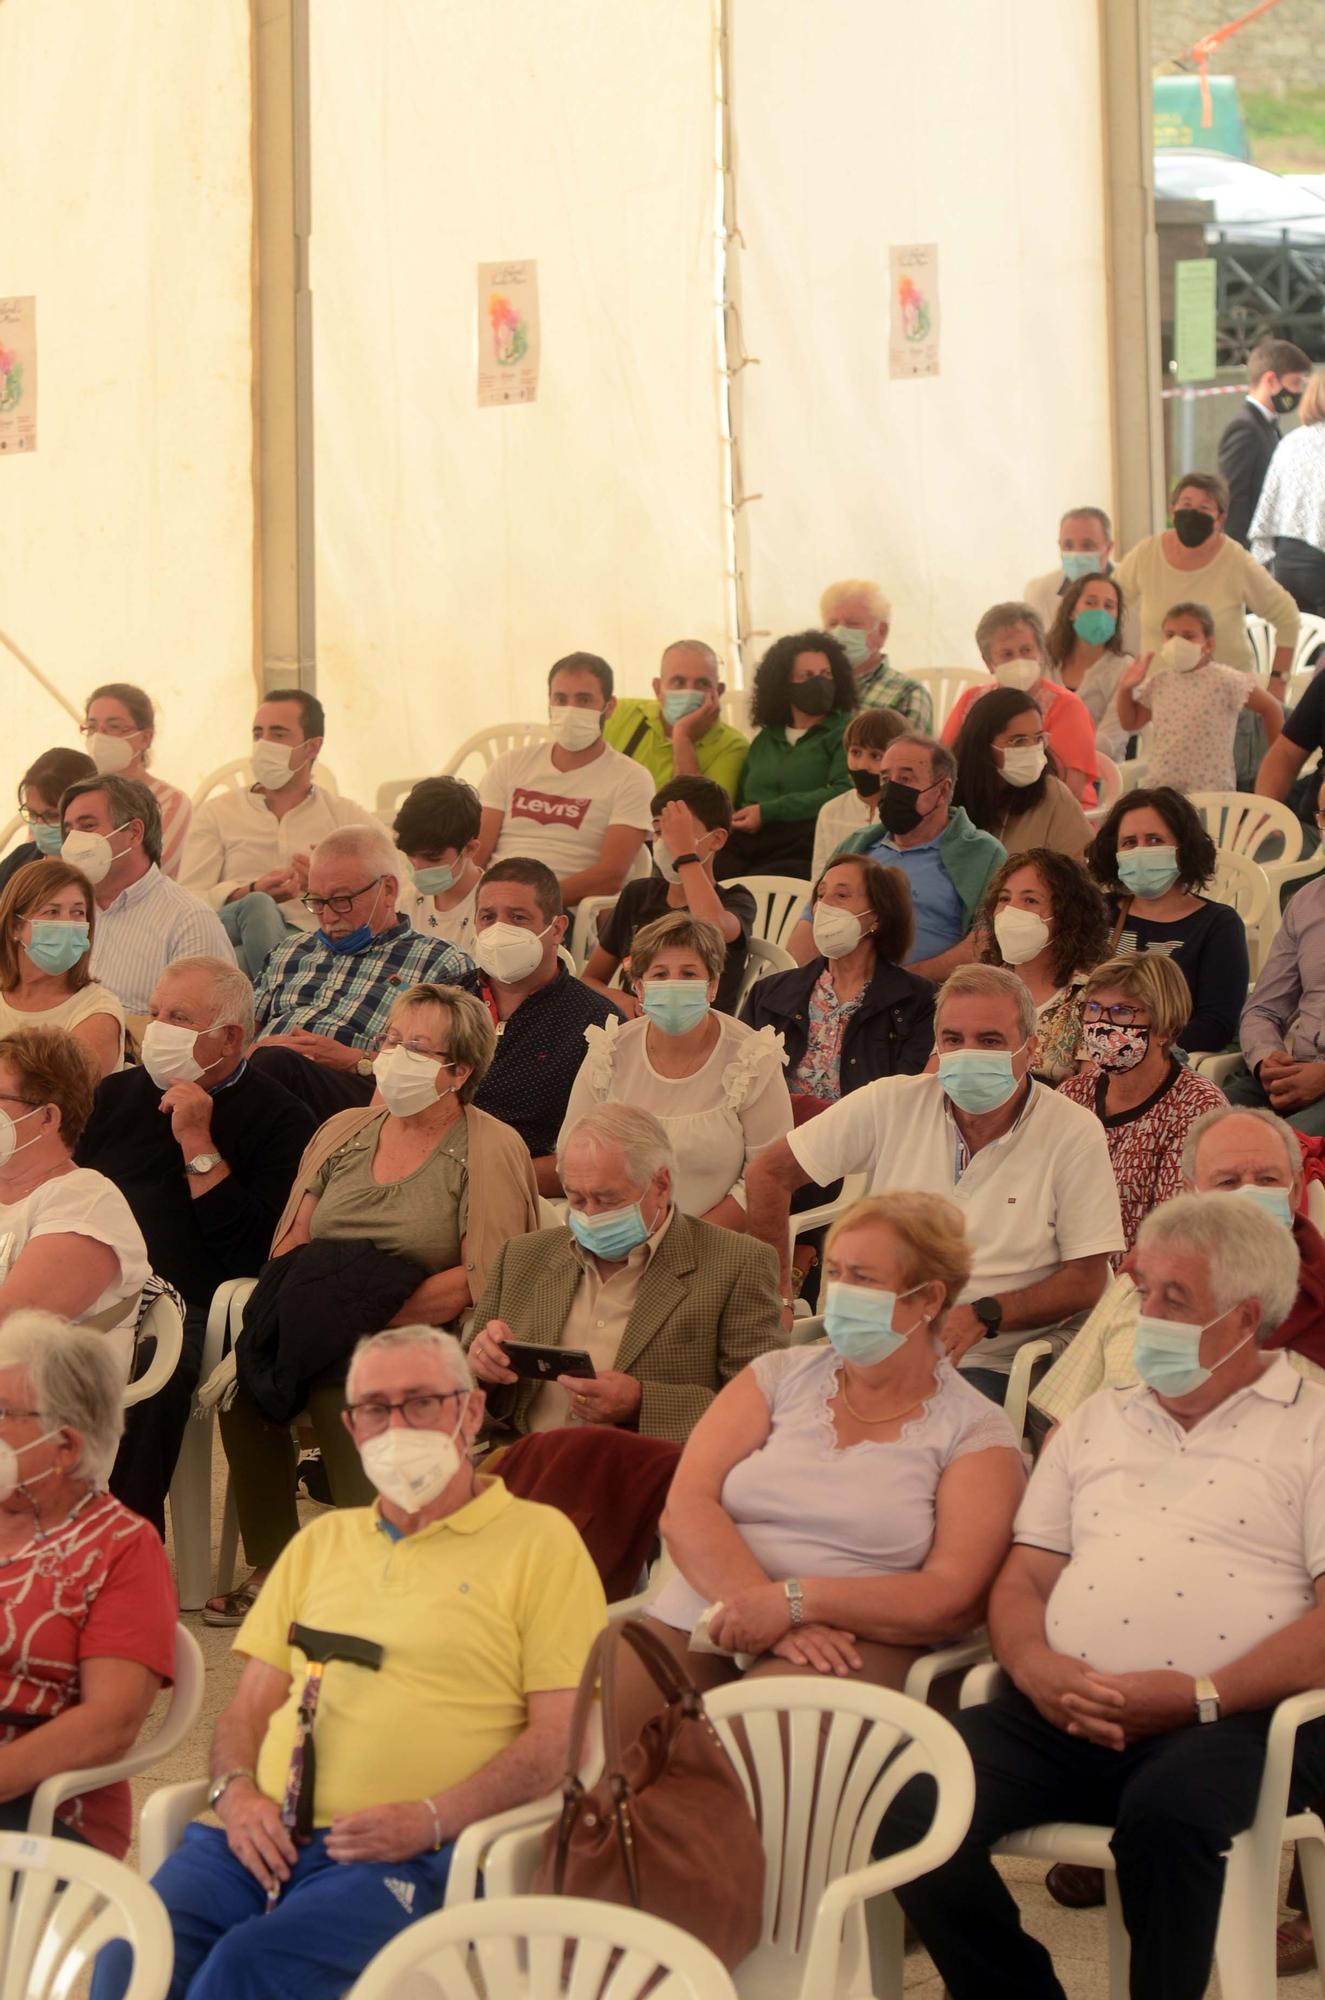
(892, 1416)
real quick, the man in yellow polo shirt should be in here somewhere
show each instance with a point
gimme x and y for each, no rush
(680, 733)
(484, 1608)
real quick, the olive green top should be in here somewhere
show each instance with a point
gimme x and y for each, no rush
(423, 1217)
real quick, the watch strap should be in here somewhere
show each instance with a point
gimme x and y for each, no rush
(1207, 1699)
(218, 1785)
(685, 860)
(795, 1602)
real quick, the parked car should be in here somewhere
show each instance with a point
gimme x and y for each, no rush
(1267, 236)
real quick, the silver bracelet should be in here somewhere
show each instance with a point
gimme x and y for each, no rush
(436, 1825)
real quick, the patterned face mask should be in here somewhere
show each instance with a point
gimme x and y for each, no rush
(1111, 1048)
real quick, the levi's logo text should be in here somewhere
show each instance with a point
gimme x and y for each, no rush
(548, 807)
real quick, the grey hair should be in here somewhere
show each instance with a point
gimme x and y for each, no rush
(363, 842)
(76, 1379)
(638, 1133)
(232, 990)
(431, 1340)
(1246, 1252)
(990, 982)
(1197, 1130)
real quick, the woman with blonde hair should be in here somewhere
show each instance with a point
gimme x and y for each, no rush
(48, 918)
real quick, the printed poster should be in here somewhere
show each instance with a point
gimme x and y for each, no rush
(507, 333)
(18, 375)
(913, 331)
(1194, 314)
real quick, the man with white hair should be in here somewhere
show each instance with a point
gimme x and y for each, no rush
(1142, 1687)
(322, 1001)
(668, 1308)
(204, 1148)
(1030, 1170)
(858, 614)
(455, 1621)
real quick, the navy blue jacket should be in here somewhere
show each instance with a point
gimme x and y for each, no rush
(891, 1033)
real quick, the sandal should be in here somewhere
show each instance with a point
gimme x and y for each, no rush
(1295, 1948)
(234, 1607)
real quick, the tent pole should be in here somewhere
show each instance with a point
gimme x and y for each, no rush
(1133, 271)
(734, 360)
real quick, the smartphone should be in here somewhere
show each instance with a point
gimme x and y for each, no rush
(543, 1364)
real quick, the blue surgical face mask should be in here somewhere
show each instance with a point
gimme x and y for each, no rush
(978, 1080)
(1148, 871)
(1081, 562)
(853, 643)
(343, 947)
(56, 946)
(675, 1005)
(1166, 1354)
(1094, 625)
(859, 1321)
(1276, 1201)
(433, 881)
(611, 1235)
(679, 702)
(47, 839)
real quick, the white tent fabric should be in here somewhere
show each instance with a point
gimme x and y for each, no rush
(860, 125)
(126, 539)
(461, 550)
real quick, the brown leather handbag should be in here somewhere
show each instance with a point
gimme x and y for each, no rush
(667, 1828)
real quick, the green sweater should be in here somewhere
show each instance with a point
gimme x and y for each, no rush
(792, 780)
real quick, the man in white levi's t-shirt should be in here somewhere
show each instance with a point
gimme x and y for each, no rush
(573, 804)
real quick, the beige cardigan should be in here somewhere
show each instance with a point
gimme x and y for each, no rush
(503, 1194)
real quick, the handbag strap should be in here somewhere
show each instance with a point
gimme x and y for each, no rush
(600, 1672)
(1124, 911)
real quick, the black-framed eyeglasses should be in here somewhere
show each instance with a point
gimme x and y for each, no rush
(1120, 1015)
(31, 818)
(340, 906)
(422, 1412)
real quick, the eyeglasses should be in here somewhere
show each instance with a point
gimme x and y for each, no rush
(1040, 742)
(421, 1412)
(110, 729)
(340, 906)
(30, 818)
(12, 1097)
(8, 1416)
(392, 1041)
(1118, 1016)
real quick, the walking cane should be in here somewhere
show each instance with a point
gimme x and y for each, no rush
(319, 1649)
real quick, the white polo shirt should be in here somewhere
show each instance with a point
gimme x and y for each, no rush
(1042, 1194)
(1187, 1547)
(235, 837)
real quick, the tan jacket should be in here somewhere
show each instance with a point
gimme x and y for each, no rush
(707, 1304)
(503, 1194)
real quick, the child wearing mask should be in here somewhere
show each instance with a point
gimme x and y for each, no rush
(1193, 704)
(867, 736)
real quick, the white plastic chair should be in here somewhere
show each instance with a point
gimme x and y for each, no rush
(542, 1947)
(1245, 1947)
(854, 1186)
(779, 900)
(164, 1323)
(1134, 774)
(1247, 824)
(1316, 1203)
(486, 745)
(1018, 1392)
(946, 687)
(1260, 633)
(762, 957)
(1110, 782)
(67, 1902)
(191, 1488)
(1246, 886)
(1260, 637)
(584, 927)
(237, 776)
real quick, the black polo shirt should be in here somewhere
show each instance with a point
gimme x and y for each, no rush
(539, 1052)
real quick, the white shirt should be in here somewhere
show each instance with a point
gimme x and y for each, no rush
(1292, 499)
(81, 1006)
(1187, 1547)
(1041, 1195)
(151, 923)
(844, 815)
(561, 817)
(236, 837)
(454, 926)
(83, 1203)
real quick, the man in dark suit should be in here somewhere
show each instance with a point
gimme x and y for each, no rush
(668, 1308)
(1277, 371)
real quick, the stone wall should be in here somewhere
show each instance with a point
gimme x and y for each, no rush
(1284, 50)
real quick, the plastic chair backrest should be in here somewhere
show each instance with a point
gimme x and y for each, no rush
(1244, 823)
(164, 1322)
(1260, 637)
(1310, 638)
(542, 1947)
(1241, 883)
(1111, 781)
(1134, 774)
(486, 745)
(68, 1901)
(237, 775)
(946, 687)
(1316, 1203)
(762, 957)
(778, 903)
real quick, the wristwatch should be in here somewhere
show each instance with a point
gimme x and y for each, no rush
(990, 1315)
(1207, 1700)
(684, 860)
(364, 1066)
(795, 1602)
(218, 1785)
(202, 1163)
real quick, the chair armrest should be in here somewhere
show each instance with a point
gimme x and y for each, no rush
(1018, 1392)
(1217, 1067)
(982, 1684)
(1289, 1716)
(472, 1852)
(164, 1818)
(513, 1860)
(971, 1652)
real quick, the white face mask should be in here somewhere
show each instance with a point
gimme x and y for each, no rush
(836, 931)
(662, 860)
(1023, 764)
(91, 854)
(508, 953)
(1021, 934)
(577, 728)
(408, 1082)
(111, 753)
(410, 1468)
(9, 1473)
(9, 1144)
(1019, 674)
(1177, 655)
(168, 1054)
(273, 764)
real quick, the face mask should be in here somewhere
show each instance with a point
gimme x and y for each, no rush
(358, 939)
(1286, 401)
(47, 839)
(1094, 625)
(272, 764)
(1019, 674)
(814, 697)
(90, 853)
(1024, 763)
(1192, 526)
(836, 931)
(577, 728)
(663, 862)
(899, 807)
(508, 953)
(978, 1080)
(1177, 656)
(1021, 935)
(410, 1468)
(611, 1235)
(57, 947)
(1276, 1201)
(868, 783)
(853, 643)
(433, 881)
(677, 703)
(8, 1133)
(111, 753)
(1081, 562)
(168, 1054)
(9, 1474)
(1113, 1049)
(1148, 871)
(1165, 1355)
(408, 1082)
(675, 1005)
(859, 1322)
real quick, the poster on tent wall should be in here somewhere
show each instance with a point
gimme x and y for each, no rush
(18, 375)
(913, 326)
(507, 333)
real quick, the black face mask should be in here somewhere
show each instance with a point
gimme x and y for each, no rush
(1286, 400)
(899, 810)
(814, 697)
(867, 783)
(1192, 527)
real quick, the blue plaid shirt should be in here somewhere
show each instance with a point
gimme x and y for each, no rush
(348, 995)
